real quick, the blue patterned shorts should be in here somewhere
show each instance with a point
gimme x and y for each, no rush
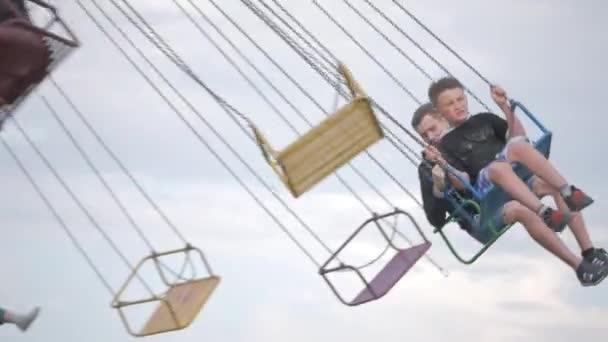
(483, 184)
(485, 233)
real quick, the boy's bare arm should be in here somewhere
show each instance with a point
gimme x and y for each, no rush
(515, 127)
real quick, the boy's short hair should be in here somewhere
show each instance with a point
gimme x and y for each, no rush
(421, 112)
(442, 85)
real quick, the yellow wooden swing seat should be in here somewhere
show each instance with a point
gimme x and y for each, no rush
(328, 146)
(177, 307)
(180, 306)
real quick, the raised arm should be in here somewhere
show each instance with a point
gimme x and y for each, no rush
(514, 126)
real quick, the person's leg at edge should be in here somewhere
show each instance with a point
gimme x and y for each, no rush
(21, 321)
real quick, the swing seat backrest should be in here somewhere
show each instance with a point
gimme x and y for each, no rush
(329, 145)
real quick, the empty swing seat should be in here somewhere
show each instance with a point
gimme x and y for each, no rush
(178, 305)
(328, 146)
(401, 262)
(394, 270)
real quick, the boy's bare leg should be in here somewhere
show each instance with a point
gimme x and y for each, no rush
(526, 154)
(502, 175)
(537, 163)
(515, 212)
(577, 223)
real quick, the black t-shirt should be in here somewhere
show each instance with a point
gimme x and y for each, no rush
(474, 144)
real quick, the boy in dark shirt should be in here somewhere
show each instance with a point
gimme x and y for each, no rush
(482, 147)
(431, 126)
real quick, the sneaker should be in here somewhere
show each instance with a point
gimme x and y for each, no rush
(23, 322)
(556, 220)
(591, 274)
(577, 200)
(596, 256)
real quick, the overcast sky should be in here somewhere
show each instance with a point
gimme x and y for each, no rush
(547, 54)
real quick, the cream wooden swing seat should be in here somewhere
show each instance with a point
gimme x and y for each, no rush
(328, 146)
